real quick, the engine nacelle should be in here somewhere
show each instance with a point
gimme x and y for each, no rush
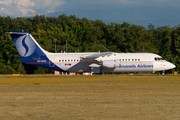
(111, 63)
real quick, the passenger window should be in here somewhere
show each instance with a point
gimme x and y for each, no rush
(59, 60)
(128, 59)
(135, 59)
(62, 60)
(122, 59)
(138, 59)
(132, 59)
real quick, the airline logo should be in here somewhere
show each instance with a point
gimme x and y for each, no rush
(136, 66)
(25, 46)
(68, 64)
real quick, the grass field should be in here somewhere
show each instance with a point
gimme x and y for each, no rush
(104, 97)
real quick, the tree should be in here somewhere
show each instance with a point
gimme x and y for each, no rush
(8, 70)
(21, 69)
(98, 48)
(166, 44)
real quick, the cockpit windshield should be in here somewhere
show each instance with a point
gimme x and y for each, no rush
(158, 59)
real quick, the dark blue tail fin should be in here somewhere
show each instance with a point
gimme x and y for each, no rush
(26, 45)
(31, 52)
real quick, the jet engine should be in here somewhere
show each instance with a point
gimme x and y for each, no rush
(111, 63)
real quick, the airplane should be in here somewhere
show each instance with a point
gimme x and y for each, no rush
(87, 62)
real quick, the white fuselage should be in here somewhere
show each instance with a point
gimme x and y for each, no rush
(129, 62)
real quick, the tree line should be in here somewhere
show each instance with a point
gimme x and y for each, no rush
(85, 35)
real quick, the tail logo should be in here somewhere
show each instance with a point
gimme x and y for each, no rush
(25, 46)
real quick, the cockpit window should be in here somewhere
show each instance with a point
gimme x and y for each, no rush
(158, 59)
(162, 58)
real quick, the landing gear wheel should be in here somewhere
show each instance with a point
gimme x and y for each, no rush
(163, 73)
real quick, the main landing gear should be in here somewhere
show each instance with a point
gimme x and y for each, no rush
(163, 73)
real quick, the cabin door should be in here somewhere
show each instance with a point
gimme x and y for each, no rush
(148, 59)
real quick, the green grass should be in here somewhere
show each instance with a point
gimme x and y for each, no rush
(90, 97)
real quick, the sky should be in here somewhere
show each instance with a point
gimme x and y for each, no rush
(21, 8)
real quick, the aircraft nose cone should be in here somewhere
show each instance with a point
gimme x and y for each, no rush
(172, 66)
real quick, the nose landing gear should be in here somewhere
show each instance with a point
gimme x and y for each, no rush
(163, 73)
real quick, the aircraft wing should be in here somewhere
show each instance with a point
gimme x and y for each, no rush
(97, 55)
